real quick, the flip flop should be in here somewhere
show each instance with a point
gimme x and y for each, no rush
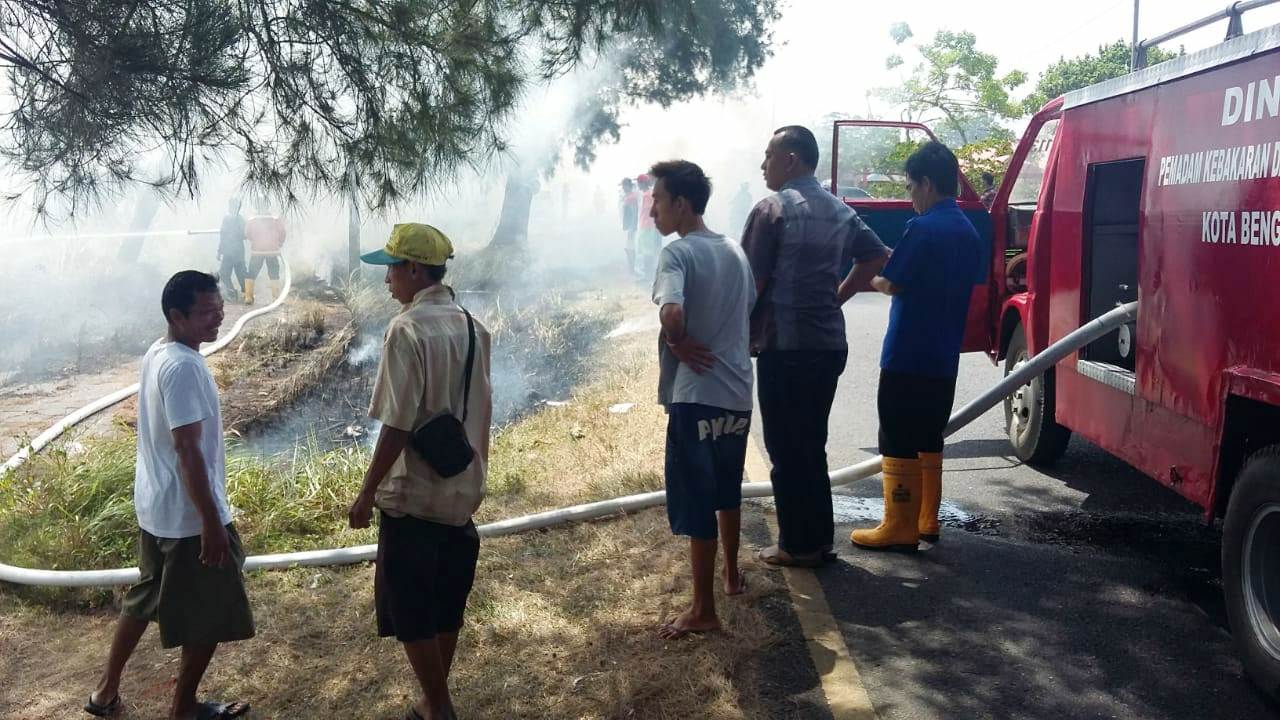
(777, 557)
(106, 710)
(217, 710)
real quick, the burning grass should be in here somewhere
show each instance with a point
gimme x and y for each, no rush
(272, 344)
(71, 506)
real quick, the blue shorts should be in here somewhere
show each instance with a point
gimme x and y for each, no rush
(706, 448)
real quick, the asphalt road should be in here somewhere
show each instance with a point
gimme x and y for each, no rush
(1087, 591)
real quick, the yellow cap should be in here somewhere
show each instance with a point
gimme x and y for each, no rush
(412, 241)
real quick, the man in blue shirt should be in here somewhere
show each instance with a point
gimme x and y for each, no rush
(930, 276)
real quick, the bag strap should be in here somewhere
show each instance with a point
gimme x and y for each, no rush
(471, 359)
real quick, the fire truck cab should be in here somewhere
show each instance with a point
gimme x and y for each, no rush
(1161, 186)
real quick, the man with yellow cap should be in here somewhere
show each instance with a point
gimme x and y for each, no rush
(433, 377)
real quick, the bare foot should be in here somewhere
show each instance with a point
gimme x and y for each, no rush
(735, 585)
(687, 624)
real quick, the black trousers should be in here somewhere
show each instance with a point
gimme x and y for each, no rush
(796, 390)
(914, 410)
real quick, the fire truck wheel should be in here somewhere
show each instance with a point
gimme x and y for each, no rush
(1251, 568)
(1029, 412)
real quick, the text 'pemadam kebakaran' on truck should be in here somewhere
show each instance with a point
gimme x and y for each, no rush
(1161, 186)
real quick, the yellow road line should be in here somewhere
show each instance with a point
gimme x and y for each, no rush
(841, 683)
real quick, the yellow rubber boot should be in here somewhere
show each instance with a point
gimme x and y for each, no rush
(276, 287)
(898, 530)
(930, 495)
(248, 292)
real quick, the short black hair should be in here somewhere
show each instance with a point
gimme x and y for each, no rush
(935, 161)
(988, 178)
(180, 292)
(799, 140)
(683, 179)
(435, 272)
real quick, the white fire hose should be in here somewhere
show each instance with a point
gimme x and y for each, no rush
(867, 468)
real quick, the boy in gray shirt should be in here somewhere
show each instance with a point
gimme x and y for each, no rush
(705, 291)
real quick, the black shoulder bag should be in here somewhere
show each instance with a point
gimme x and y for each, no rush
(442, 441)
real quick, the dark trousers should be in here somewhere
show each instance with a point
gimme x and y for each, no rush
(797, 388)
(232, 265)
(914, 410)
(273, 266)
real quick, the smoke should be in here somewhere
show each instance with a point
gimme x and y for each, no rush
(90, 293)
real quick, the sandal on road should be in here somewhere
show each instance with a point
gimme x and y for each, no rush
(105, 709)
(776, 556)
(217, 710)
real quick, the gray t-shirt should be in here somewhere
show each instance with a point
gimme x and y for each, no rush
(710, 277)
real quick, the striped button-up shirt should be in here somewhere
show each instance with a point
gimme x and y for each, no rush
(799, 241)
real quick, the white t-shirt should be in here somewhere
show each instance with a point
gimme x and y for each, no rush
(176, 389)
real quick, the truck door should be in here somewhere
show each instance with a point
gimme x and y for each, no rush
(866, 173)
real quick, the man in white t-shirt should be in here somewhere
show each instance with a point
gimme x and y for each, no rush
(190, 556)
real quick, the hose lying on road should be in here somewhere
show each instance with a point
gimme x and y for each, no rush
(58, 428)
(341, 556)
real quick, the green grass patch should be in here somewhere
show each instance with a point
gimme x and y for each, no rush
(73, 509)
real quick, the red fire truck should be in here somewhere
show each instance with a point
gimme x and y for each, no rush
(1161, 186)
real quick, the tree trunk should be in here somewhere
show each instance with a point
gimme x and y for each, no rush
(143, 213)
(517, 200)
(355, 273)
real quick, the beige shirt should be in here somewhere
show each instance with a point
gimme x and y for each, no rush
(420, 376)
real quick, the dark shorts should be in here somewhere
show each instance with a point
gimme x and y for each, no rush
(706, 448)
(424, 574)
(194, 604)
(914, 410)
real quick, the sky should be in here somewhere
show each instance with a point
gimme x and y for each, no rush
(829, 55)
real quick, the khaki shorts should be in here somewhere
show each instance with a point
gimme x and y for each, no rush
(194, 604)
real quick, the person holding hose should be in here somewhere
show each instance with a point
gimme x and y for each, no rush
(266, 239)
(231, 250)
(930, 276)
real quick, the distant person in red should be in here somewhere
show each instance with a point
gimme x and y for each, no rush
(649, 240)
(988, 190)
(630, 205)
(266, 239)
